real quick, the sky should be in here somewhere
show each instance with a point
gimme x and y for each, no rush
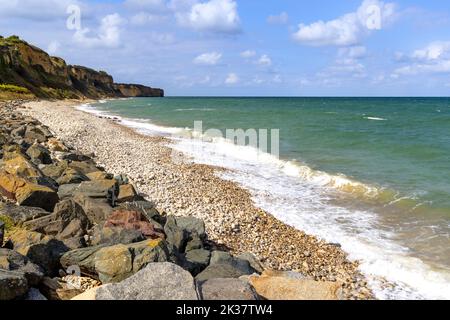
(248, 47)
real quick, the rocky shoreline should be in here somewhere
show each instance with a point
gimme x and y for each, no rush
(84, 194)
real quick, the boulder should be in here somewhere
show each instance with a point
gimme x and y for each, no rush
(42, 250)
(192, 225)
(19, 215)
(67, 221)
(157, 281)
(133, 220)
(55, 289)
(19, 165)
(13, 261)
(107, 189)
(127, 193)
(56, 145)
(115, 263)
(226, 289)
(147, 209)
(97, 210)
(71, 176)
(33, 195)
(197, 260)
(115, 235)
(287, 287)
(33, 134)
(39, 154)
(67, 190)
(253, 261)
(194, 243)
(99, 175)
(54, 171)
(12, 285)
(2, 232)
(219, 271)
(175, 235)
(224, 258)
(84, 167)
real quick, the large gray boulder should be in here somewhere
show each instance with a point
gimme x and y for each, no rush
(19, 215)
(226, 289)
(13, 261)
(157, 281)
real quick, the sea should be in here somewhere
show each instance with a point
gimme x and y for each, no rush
(372, 174)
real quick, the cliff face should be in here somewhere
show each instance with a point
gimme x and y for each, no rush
(27, 66)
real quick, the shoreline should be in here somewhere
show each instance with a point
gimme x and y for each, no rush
(190, 189)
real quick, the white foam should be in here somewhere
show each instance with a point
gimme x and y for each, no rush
(300, 196)
(375, 118)
(195, 109)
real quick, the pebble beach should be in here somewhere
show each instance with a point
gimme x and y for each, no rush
(188, 189)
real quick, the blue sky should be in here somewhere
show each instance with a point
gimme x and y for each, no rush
(248, 47)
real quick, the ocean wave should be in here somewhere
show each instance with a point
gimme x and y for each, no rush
(375, 118)
(195, 109)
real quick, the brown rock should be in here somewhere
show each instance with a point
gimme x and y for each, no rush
(290, 288)
(134, 220)
(127, 193)
(33, 195)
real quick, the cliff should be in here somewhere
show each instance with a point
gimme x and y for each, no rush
(32, 69)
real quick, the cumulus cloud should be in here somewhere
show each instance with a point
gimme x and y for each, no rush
(434, 58)
(217, 16)
(108, 34)
(248, 54)
(264, 60)
(356, 52)
(209, 58)
(232, 78)
(281, 18)
(348, 29)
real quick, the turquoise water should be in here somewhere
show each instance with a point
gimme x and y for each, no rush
(382, 160)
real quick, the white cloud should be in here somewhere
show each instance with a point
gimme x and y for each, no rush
(108, 34)
(144, 18)
(434, 58)
(232, 78)
(348, 29)
(248, 54)
(209, 58)
(217, 16)
(264, 60)
(356, 52)
(281, 18)
(53, 47)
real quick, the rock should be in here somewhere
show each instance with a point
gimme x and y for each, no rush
(76, 157)
(19, 215)
(83, 167)
(157, 281)
(67, 190)
(53, 289)
(13, 261)
(2, 233)
(99, 175)
(44, 251)
(12, 285)
(97, 210)
(219, 271)
(83, 258)
(175, 235)
(291, 288)
(122, 179)
(197, 260)
(108, 189)
(39, 154)
(115, 235)
(194, 243)
(133, 220)
(127, 193)
(18, 165)
(56, 145)
(226, 289)
(71, 176)
(192, 226)
(113, 264)
(35, 295)
(87, 295)
(221, 257)
(253, 261)
(33, 134)
(33, 195)
(67, 221)
(54, 171)
(146, 208)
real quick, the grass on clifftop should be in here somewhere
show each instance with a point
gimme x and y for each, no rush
(11, 92)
